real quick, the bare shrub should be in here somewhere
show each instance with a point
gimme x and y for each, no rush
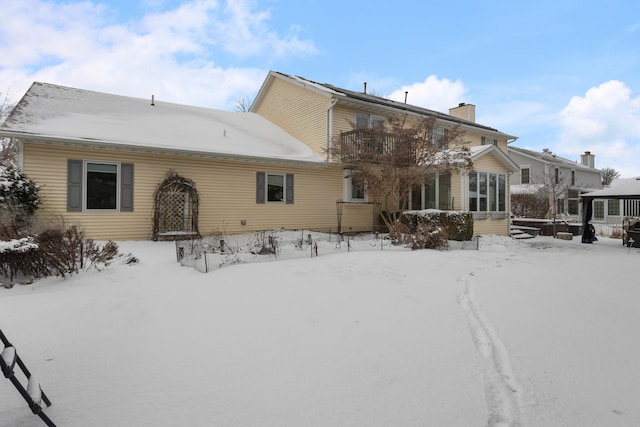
(399, 233)
(425, 237)
(54, 252)
(529, 205)
(95, 256)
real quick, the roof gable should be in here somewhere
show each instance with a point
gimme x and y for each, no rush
(63, 114)
(483, 150)
(349, 96)
(552, 159)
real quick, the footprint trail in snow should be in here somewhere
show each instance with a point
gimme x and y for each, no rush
(503, 392)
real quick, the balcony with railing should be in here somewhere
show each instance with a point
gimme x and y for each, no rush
(374, 145)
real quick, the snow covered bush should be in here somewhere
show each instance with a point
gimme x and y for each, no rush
(434, 228)
(18, 196)
(54, 252)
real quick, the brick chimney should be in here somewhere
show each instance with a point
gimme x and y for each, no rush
(464, 111)
(587, 159)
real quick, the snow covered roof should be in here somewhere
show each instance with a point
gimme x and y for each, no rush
(525, 188)
(62, 114)
(478, 151)
(628, 188)
(552, 158)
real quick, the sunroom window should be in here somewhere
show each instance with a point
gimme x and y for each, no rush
(487, 192)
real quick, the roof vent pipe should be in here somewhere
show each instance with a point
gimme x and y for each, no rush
(152, 100)
(365, 87)
(406, 92)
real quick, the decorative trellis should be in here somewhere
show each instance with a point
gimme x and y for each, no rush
(176, 208)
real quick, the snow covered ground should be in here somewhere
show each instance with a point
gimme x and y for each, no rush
(537, 332)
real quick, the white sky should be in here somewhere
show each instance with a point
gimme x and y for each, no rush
(561, 75)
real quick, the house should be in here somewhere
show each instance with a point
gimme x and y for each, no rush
(320, 114)
(618, 201)
(566, 178)
(127, 168)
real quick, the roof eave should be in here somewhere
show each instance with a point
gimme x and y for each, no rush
(268, 81)
(103, 144)
(506, 160)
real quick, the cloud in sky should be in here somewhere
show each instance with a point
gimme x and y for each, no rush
(433, 93)
(213, 52)
(171, 53)
(605, 121)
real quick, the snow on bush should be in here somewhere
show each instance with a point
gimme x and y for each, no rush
(16, 190)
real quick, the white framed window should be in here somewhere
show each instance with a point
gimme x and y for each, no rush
(368, 121)
(525, 175)
(598, 209)
(353, 191)
(435, 193)
(613, 207)
(99, 186)
(487, 192)
(274, 187)
(489, 141)
(439, 139)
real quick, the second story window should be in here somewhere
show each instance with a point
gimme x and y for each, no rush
(489, 141)
(367, 121)
(440, 138)
(525, 175)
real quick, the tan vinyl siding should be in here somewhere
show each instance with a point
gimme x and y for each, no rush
(475, 139)
(226, 189)
(301, 113)
(455, 189)
(491, 226)
(490, 163)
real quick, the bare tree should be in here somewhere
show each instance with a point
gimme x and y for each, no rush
(530, 205)
(392, 159)
(608, 175)
(242, 105)
(8, 150)
(552, 187)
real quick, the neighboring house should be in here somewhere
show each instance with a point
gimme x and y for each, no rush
(319, 115)
(568, 179)
(125, 168)
(619, 200)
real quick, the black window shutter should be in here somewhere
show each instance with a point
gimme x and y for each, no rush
(74, 185)
(260, 191)
(289, 181)
(126, 187)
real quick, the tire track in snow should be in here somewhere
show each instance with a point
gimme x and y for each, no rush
(503, 392)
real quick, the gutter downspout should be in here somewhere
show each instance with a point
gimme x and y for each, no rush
(19, 151)
(330, 130)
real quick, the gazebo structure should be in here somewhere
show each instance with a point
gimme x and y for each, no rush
(624, 189)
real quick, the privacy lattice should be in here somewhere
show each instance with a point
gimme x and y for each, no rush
(176, 208)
